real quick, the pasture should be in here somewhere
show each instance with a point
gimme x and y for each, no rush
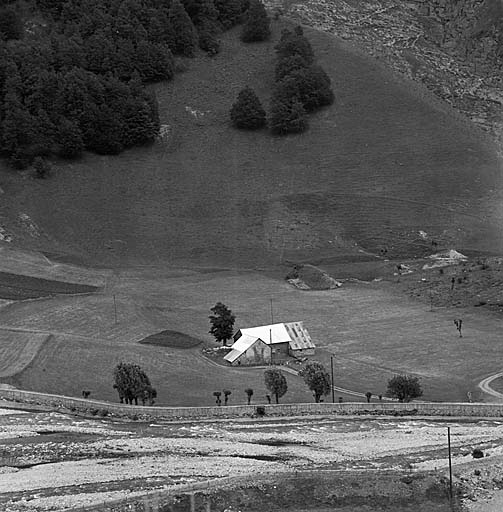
(18, 349)
(372, 330)
(383, 162)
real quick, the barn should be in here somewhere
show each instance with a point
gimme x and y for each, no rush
(268, 344)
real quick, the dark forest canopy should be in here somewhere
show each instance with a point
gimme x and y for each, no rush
(72, 72)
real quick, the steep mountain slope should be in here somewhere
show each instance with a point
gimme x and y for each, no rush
(387, 160)
(453, 47)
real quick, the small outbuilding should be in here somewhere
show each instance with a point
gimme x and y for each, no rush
(268, 344)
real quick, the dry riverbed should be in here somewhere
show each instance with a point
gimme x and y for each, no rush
(53, 461)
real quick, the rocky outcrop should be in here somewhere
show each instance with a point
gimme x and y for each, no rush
(452, 47)
(472, 28)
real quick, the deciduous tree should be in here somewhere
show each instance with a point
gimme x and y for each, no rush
(404, 387)
(276, 383)
(317, 379)
(132, 383)
(249, 394)
(222, 322)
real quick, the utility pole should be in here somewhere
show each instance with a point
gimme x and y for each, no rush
(450, 462)
(270, 343)
(332, 371)
(272, 315)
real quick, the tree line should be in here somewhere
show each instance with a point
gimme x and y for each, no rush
(73, 72)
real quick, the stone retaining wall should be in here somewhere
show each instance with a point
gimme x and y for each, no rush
(98, 408)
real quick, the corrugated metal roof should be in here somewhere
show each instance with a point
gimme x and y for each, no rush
(300, 337)
(240, 347)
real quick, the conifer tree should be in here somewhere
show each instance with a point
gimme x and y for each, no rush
(138, 127)
(70, 142)
(11, 24)
(287, 65)
(294, 43)
(154, 61)
(230, 12)
(287, 115)
(247, 112)
(185, 35)
(256, 26)
(17, 126)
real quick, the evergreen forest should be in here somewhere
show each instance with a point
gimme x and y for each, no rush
(73, 72)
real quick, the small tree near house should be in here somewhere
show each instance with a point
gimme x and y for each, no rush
(222, 323)
(276, 383)
(249, 394)
(404, 387)
(317, 379)
(227, 394)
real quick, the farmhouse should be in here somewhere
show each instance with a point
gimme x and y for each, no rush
(270, 344)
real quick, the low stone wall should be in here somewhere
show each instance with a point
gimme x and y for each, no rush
(99, 408)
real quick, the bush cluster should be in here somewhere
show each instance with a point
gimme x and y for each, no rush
(75, 80)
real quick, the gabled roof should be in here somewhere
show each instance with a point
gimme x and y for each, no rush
(240, 347)
(293, 333)
(275, 333)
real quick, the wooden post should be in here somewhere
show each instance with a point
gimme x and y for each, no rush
(450, 462)
(332, 370)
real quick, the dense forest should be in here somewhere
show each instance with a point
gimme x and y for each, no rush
(73, 72)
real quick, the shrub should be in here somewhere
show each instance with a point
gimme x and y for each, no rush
(477, 453)
(247, 112)
(41, 167)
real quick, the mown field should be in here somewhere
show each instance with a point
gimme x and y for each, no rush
(383, 162)
(18, 349)
(372, 330)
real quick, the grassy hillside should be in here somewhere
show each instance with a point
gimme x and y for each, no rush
(383, 162)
